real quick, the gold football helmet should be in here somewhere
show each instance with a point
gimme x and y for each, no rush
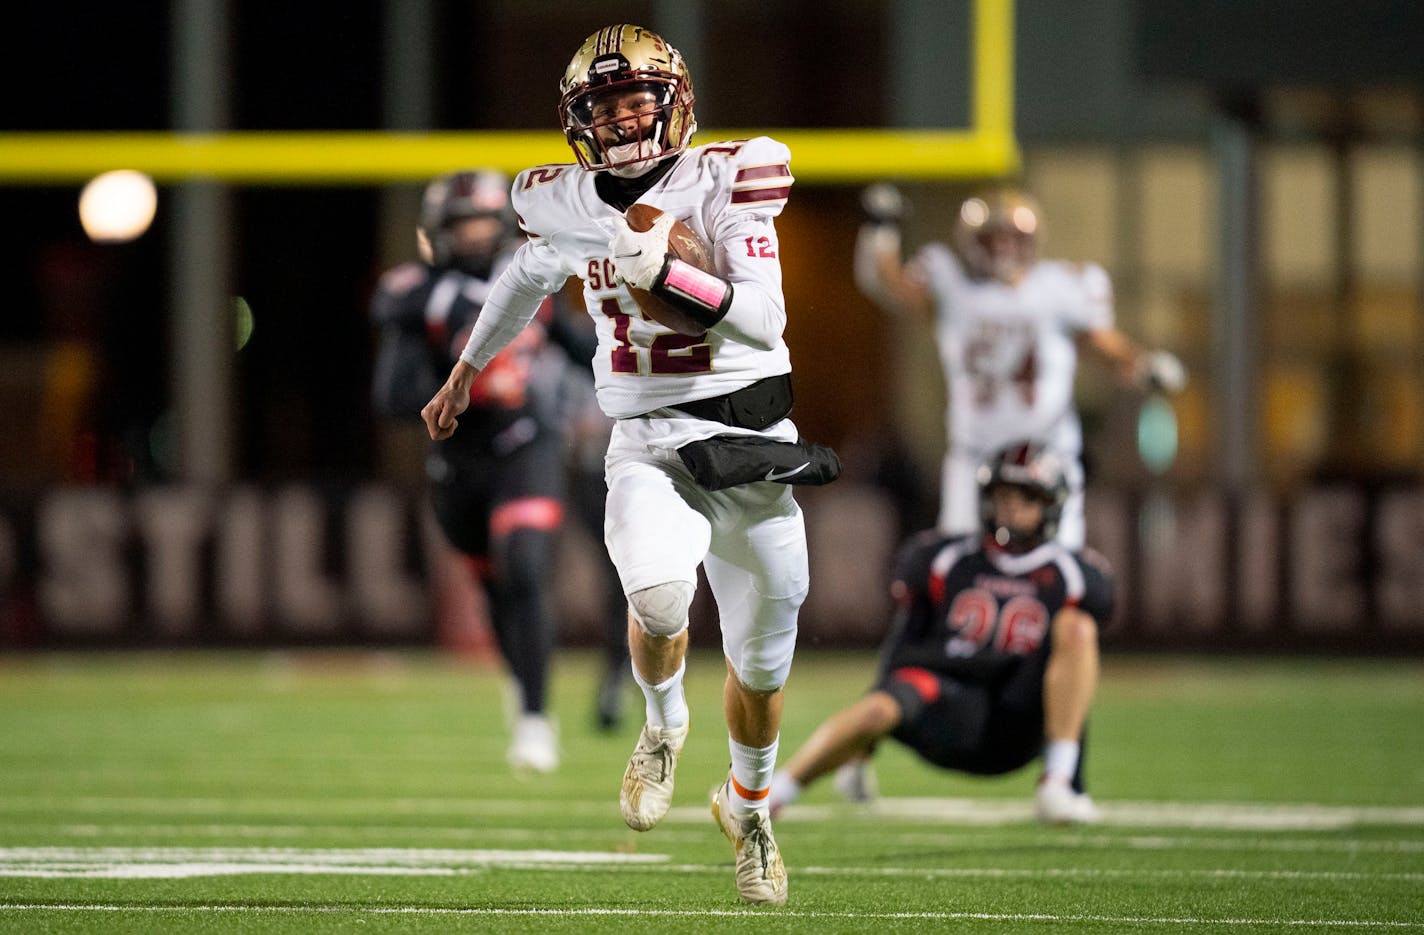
(626, 60)
(996, 234)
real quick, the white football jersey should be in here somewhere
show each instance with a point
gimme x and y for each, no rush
(1009, 351)
(729, 193)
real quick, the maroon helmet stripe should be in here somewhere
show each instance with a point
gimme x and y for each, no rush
(761, 194)
(608, 39)
(763, 172)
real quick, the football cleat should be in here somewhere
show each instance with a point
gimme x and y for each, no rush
(855, 781)
(647, 782)
(1056, 803)
(761, 874)
(535, 747)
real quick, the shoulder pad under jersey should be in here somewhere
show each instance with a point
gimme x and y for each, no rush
(755, 174)
(538, 192)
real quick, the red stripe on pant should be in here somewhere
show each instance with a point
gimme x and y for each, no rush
(544, 513)
(923, 681)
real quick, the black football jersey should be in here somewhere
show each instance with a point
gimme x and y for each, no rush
(976, 613)
(425, 315)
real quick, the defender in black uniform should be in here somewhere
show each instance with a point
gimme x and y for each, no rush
(993, 656)
(498, 485)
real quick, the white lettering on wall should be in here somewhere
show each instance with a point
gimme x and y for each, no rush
(1183, 562)
(1399, 542)
(83, 586)
(242, 576)
(392, 603)
(173, 523)
(1326, 592)
(1258, 549)
(308, 600)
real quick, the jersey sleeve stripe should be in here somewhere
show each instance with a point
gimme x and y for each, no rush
(1074, 582)
(764, 172)
(760, 195)
(442, 299)
(940, 565)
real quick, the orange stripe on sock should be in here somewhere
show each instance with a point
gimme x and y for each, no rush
(751, 795)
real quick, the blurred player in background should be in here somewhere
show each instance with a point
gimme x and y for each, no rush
(701, 436)
(1009, 327)
(587, 432)
(588, 495)
(498, 488)
(992, 659)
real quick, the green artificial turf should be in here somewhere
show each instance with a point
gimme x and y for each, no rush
(363, 792)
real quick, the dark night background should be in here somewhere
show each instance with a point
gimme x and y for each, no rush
(305, 258)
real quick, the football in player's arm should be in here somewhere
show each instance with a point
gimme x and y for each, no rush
(992, 660)
(702, 451)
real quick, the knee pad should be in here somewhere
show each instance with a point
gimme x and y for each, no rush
(662, 609)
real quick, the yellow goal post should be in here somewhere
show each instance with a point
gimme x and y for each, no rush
(986, 148)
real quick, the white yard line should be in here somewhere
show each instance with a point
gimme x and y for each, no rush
(1067, 918)
(1252, 816)
(183, 862)
(1225, 816)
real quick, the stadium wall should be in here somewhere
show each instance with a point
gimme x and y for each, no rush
(1332, 568)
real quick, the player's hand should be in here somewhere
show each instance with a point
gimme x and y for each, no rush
(441, 412)
(884, 204)
(1165, 372)
(638, 256)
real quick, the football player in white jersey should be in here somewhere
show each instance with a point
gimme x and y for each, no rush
(1009, 327)
(701, 436)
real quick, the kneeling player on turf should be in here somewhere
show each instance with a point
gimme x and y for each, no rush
(993, 656)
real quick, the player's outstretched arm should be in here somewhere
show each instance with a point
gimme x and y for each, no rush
(1134, 365)
(442, 412)
(880, 271)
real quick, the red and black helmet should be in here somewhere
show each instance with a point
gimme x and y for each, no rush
(459, 196)
(1039, 472)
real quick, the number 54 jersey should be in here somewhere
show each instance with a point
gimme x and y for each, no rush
(729, 193)
(1009, 350)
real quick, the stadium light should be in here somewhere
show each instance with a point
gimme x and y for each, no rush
(117, 206)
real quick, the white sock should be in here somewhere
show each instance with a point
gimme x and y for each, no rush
(665, 703)
(752, 769)
(784, 790)
(1060, 760)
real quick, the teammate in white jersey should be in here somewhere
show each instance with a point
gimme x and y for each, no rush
(701, 432)
(1009, 327)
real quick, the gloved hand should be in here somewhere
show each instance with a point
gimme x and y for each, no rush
(638, 256)
(1164, 371)
(884, 204)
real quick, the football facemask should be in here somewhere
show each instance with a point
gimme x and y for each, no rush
(620, 63)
